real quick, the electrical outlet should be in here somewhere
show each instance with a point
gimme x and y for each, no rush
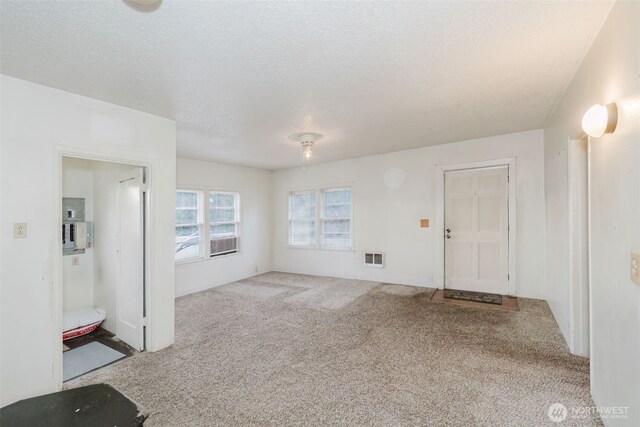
(20, 230)
(75, 260)
(635, 267)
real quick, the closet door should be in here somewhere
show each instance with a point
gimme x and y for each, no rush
(130, 286)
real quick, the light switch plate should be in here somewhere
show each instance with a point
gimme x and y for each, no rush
(20, 230)
(635, 267)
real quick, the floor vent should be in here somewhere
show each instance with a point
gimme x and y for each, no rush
(374, 259)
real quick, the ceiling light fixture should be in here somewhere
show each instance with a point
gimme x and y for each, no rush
(306, 139)
(600, 119)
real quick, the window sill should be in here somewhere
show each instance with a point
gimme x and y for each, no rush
(337, 249)
(310, 248)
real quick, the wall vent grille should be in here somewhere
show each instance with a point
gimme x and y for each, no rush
(374, 259)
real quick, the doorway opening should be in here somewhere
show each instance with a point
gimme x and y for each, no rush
(103, 263)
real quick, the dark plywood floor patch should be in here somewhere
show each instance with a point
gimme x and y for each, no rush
(103, 337)
(473, 296)
(93, 405)
(508, 303)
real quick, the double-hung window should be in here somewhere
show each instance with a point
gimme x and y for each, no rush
(335, 218)
(223, 222)
(188, 225)
(321, 218)
(206, 229)
(302, 218)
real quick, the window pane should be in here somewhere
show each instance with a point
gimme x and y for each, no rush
(336, 218)
(186, 216)
(223, 218)
(302, 224)
(188, 252)
(303, 233)
(337, 211)
(338, 195)
(217, 199)
(222, 215)
(223, 230)
(186, 199)
(304, 205)
(222, 207)
(187, 242)
(182, 231)
(336, 226)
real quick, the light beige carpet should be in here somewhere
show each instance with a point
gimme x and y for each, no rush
(283, 349)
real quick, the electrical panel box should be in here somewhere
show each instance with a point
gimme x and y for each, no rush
(77, 234)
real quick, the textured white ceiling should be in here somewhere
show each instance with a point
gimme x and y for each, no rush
(239, 77)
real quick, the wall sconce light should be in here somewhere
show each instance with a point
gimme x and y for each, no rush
(600, 119)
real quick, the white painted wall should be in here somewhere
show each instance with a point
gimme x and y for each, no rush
(608, 73)
(36, 121)
(77, 280)
(556, 161)
(254, 186)
(387, 219)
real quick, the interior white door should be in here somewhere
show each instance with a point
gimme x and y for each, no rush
(130, 286)
(477, 230)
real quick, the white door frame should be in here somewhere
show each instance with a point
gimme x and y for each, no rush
(56, 283)
(439, 197)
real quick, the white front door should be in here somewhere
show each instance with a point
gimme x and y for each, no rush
(130, 286)
(477, 230)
